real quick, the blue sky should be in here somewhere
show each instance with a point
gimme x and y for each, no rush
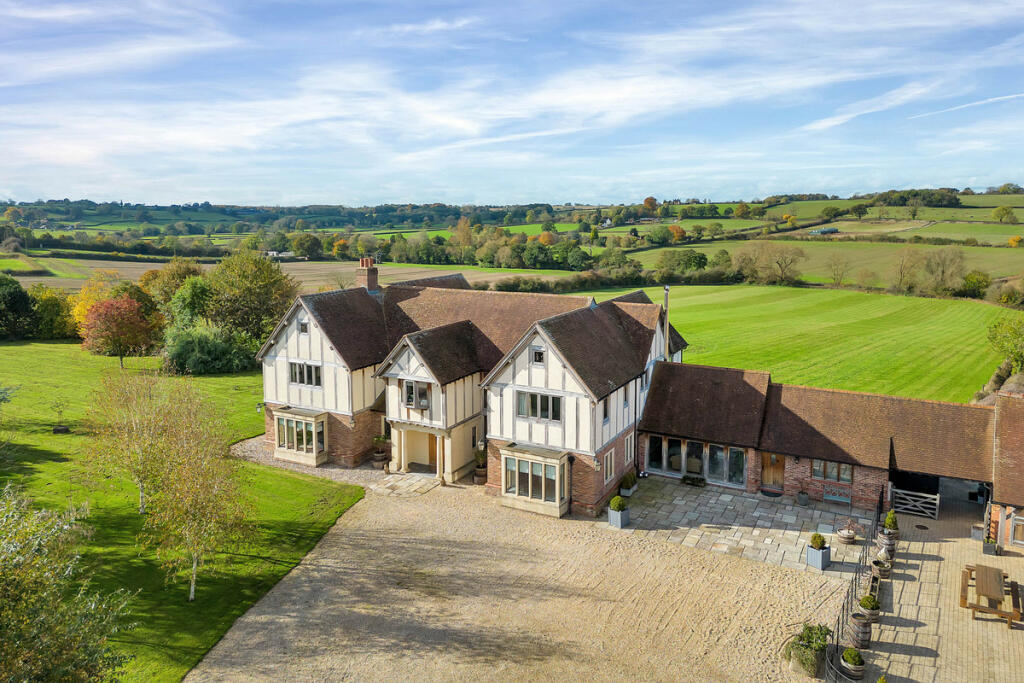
(361, 103)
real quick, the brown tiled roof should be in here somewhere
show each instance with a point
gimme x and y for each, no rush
(501, 317)
(1008, 464)
(450, 351)
(639, 296)
(946, 439)
(353, 322)
(450, 281)
(710, 404)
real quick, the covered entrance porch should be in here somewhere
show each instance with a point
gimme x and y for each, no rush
(422, 449)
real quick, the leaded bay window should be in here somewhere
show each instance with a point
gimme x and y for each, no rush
(538, 406)
(301, 434)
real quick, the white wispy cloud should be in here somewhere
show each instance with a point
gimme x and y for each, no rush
(898, 97)
(969, 105)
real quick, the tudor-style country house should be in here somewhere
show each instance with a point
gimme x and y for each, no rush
(565, 395)
(550, 386)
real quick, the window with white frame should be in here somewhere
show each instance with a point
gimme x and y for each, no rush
(630, 446)
(304, 373)
(537, 355)
(303, 327)
(1017, 532)
(604, 409)
(301, 435)
(532, 479)
(417, 394)
(538, 406)
(609, 465)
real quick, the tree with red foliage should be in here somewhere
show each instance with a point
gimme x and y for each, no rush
(117, 327)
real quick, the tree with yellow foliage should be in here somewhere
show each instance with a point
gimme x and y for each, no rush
(95, 290)
(1015, 241)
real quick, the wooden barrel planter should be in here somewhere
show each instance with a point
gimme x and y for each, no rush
(881, 569)
(887, 542)
(859, 630)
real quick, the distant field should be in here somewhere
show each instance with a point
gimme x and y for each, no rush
(15, 264)
(878, 257)
(812, 209)
(903, 346)
(687, 224)
(992, 200)
(991, 233)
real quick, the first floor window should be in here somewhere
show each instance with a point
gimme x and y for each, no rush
(538, 406)
(630, 445)
(609, 465)
(304, 373)
(417, 395)
(832, 471)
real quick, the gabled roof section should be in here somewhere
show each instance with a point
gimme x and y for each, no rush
(710, 404)
(605, 344)
(639, 296)
(500, 317)
(353, 322)
(450, 281)
(947, 439)
(449, 351)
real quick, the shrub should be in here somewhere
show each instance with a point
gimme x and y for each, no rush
(881, 679)
(628, 480)
(853, 656)
(207, 349)
(481, 458)
(891, 522)
(618, 504)
(817, 541)
(808, 646)
(869, 602)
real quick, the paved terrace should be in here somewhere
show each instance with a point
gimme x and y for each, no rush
(759, 528)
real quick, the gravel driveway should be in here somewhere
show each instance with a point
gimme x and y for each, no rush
(452, 586)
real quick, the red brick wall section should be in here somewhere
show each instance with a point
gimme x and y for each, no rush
(1008, 464)
(495, 471)
(349, 439)
(867, 482)
(753, 470)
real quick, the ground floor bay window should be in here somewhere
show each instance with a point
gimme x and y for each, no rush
(717, 463)
(300, 436)
(535, 481)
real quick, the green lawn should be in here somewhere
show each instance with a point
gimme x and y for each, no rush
(292, 511)
(878, 257)
(992, 200)
(904, 346)
(688, 223)
(15, 264)
(991, 233)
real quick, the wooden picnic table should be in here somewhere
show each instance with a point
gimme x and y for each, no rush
(990, 583)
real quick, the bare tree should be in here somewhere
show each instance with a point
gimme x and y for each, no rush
(905, 269)
(945, 268)
(838, 266)
(127, 418)
(781, 261)
(199, 508)
(866, 277)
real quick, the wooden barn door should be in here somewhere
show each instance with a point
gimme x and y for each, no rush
(773, 471)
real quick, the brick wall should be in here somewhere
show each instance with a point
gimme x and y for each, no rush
(867, 482)
(349, 439)
(753, 470)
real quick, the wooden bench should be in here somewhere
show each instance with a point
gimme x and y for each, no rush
(965, 579)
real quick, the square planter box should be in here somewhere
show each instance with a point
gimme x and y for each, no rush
(990, 548)
(819, 559)
(619, 520)
(978, 532)
(626, 493)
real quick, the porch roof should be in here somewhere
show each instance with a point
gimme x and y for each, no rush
(299, 412)
(537, 451)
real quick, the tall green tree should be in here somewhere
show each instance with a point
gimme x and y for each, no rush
(53, 628)
(16, 313)
(1006, 336)
(250, 294)
(1004, 214)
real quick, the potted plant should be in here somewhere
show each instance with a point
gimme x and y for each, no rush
(618, 512)
(628, 485)
(380, 454)
(881, 568)
(853, 662)
(480, 473)
(805, 652)
(891, 526)
(870, 607)
(59, 406)
(819, 555)
(802, 499)
(990, 547)
(847, 533)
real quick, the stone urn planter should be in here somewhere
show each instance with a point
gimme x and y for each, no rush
(480, 473)
(618, 513)
(819, 555)
(852, 663)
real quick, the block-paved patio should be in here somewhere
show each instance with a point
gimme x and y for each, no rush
(734, 522)
(923, 634)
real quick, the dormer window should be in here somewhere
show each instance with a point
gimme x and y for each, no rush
(537, 355)
(303, 327)
(417, 395)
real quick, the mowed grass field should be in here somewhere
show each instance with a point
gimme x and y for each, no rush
(291, 511)
(902, 346)
(877, 257)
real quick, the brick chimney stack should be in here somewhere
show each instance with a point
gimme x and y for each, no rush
(366, 275)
